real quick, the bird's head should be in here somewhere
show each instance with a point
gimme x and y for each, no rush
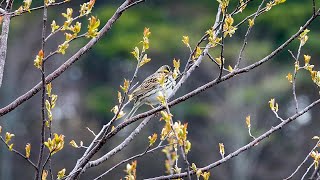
(165, 69)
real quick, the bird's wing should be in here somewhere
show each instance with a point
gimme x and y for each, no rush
(148, 84)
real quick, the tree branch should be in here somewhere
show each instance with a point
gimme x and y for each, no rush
(14, 14)
(119, 147)
(245, 41)
(133, 157)
(20, 154)
(243, 148)
(304, 161)
(4, 39)
(65, 65)
(43, 96)
(214, 82)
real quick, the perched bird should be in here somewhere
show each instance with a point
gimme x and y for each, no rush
(148, 91)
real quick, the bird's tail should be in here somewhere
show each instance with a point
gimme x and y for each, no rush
(133, 110)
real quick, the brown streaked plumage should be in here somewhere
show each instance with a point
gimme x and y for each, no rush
(149, 89)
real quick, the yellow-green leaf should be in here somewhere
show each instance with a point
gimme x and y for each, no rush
(8, 137)
(74, 144)
(61, 173)
(289, 77)
(135, 53)
(152, 139)
(185, 40)
(28, 150)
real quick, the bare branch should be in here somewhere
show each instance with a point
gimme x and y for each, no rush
(43, 97)
(65, 65)
(245, 41)
(304, 161)
(243, 148)
(119, 147)
(14, 14)
(315, 174)
(216, 81)
(91, 132)
(263, 10)
(305, 174)
(221, 67)
(132, 158)
(19, 154)
(314, 7)
(4, 39)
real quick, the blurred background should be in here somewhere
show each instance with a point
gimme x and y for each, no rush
(87, 90)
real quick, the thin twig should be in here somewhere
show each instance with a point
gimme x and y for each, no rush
(119, 147)
(314, 7)
(64, 66)
(294, 79)
(46, 161)
(277, 115)
(222, 46)
(148, 150)
(304, 161)
(61, 27)
(19, 154)
(213, 60)
(43, 96)
(304, 175)
(315, 174)
(91, 132)
(245, 40)
(184, 156)
(56, 51)
(216, 81)
(248, 146)
(15, 13)
(263, 10)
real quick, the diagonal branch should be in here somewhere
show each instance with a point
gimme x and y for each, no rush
(133, 157)
(216, 81)
(119, 147)
(243, 148)
(82, 162)
(20, 154)
(67, 64)
(245, 41)
(14, 14)
(304, 161)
